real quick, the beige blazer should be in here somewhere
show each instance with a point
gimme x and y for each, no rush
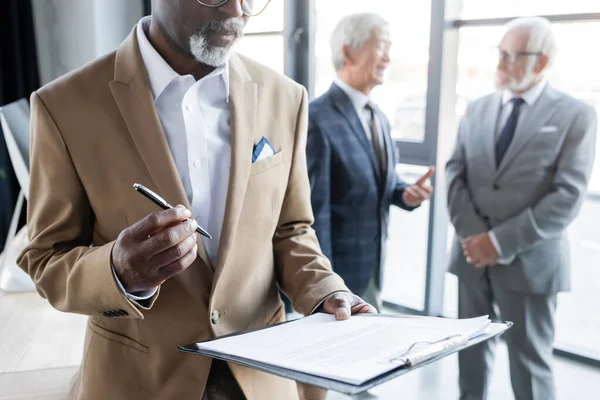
(95, 132)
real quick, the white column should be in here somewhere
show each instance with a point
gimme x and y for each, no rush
(71, 33)
(114, 20)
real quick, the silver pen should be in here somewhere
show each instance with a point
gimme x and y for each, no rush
(159, 201)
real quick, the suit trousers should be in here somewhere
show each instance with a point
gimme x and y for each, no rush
(529, 340)
(221, 385)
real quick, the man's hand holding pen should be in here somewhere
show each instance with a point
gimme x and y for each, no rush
(157, 247)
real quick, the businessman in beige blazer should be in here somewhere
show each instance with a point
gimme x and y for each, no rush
(172, 108)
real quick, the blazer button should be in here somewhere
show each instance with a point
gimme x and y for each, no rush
(495, 186)
(215, 317)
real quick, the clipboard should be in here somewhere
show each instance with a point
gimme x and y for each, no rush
(435, 351)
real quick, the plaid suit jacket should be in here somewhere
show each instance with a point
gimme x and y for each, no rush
(350, 202)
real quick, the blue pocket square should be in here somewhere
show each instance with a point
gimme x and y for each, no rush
(263, 149)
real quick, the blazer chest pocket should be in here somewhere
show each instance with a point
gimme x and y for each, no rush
(544, 144)
(266, 164)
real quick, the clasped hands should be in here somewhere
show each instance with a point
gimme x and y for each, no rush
(479, 250)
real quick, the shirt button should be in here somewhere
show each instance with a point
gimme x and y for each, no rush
(215, 317)
(197, 163)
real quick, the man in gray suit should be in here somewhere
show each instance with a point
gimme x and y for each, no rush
(516, 180)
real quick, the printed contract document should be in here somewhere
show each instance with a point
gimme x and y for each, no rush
(352, 351)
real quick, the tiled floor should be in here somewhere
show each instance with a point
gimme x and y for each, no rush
(36, 365)
(434, 382)
(42, 384)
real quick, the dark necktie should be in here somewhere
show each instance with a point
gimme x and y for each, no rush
(376, 140)
(508, 132)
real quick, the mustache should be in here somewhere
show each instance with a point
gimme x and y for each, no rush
(504, 75)
(221, 27)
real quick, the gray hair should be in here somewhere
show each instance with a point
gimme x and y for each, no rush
(541, 36)
(353, 31)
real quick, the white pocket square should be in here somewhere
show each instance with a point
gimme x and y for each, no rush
(548, 129)
(263, 149)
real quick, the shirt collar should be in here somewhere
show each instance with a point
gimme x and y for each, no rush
(160, 72)
(530, 96)
(358, 99)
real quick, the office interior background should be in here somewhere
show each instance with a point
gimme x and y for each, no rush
(443, 57)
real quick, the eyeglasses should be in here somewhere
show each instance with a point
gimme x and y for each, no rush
(251, 8)
(510, 57)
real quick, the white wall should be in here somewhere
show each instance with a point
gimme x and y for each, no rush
(114, 20)
(70, 33)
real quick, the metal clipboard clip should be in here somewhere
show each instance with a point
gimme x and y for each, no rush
(424, 350)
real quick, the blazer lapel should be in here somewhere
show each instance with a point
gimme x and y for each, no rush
(344, 106)
(488, 129)
(133, 96)
(243, 95)
(531, 122)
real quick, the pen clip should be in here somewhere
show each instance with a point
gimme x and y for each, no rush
(141, 188)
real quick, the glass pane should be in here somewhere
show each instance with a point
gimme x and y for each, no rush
(578, 319)
(450, 293)
(402, 96)
(575, 72)
(406, 262)
(267, 50)
(474, 9)
(270, 20)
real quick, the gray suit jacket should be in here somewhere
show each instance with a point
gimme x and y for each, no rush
(531, 198)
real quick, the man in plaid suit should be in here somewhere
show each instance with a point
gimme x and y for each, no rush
(351, 162)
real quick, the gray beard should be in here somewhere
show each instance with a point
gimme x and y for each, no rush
(205, 54)
(212, 55)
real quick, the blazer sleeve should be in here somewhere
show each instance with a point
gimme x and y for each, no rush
(318, 158)
(550, 216)
(303, 272)
(462, 210)
(66, 267)
(397, 196)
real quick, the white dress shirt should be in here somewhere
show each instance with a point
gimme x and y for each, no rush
(530, 97)
(195, 119)
(359, 100)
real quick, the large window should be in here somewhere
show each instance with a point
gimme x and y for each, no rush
(576, 73)
(263, 40)
(406, 258)
(443, 58)
(476, 9)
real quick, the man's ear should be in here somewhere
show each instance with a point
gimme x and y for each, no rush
(541, 64)
(348, 54)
